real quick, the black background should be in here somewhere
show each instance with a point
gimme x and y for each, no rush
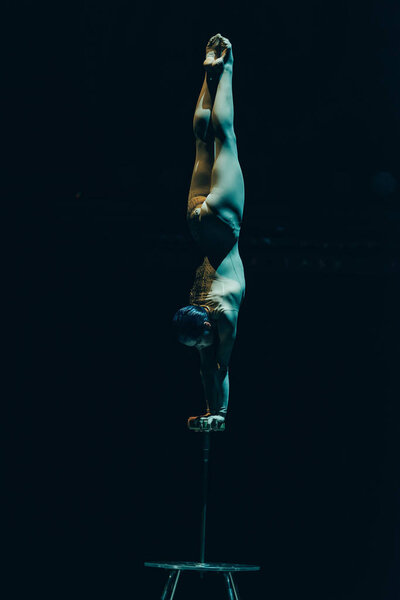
(99, 151)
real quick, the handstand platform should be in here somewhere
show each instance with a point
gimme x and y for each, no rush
(226, 569)
(175, 569)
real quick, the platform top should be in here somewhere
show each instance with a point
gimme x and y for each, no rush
(196, 566)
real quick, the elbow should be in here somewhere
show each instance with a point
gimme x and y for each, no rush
(211, 370)
(222, 369)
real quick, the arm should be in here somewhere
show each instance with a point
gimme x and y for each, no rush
(214, 363)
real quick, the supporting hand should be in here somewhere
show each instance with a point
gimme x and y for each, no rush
(207, 422)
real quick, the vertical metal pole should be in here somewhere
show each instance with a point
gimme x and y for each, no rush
(206, 454)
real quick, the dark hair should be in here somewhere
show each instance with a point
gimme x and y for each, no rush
(188, 322)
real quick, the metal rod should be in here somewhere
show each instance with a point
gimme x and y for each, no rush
(235, 590)
(170, 586)
(229, 587)
(206, 454)
(175, 584)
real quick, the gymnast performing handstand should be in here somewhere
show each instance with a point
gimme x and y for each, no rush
(214, 216)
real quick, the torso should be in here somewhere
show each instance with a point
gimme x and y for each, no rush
(219, 283)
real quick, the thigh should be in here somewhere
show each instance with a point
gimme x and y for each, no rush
(226, 196)
(200, 184)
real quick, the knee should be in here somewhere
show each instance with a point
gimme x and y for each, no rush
(201, 126)
(226, 136)
(223, 131)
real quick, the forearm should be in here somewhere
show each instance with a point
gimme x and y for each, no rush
(216, 388)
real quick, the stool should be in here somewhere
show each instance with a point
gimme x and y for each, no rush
(175, 569)
(226, 569)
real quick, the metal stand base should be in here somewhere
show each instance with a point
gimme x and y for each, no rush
(225, 569)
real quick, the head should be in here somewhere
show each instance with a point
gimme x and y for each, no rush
(193, 327)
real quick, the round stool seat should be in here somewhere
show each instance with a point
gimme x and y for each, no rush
(196, 566)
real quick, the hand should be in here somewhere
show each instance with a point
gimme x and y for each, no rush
(207, 422)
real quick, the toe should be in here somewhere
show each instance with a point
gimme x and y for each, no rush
(212, 41)
(215, 40)
(226, 45)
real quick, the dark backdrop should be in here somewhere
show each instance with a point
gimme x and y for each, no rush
(104, 474)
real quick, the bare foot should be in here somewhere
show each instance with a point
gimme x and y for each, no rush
(207, 422)
(218, 54)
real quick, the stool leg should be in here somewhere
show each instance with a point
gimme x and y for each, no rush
(231, 587)
(170, 586)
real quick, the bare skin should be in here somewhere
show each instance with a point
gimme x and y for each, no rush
(215, 210)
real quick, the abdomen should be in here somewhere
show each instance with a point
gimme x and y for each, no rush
(215, 235)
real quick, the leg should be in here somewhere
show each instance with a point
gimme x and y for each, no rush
(234, 586)
(230, 586)
(202, 127)
(170, 586)
(227, 186)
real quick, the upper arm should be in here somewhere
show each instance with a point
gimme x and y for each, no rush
(207, 358)
(213, 357)
(227, 326)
